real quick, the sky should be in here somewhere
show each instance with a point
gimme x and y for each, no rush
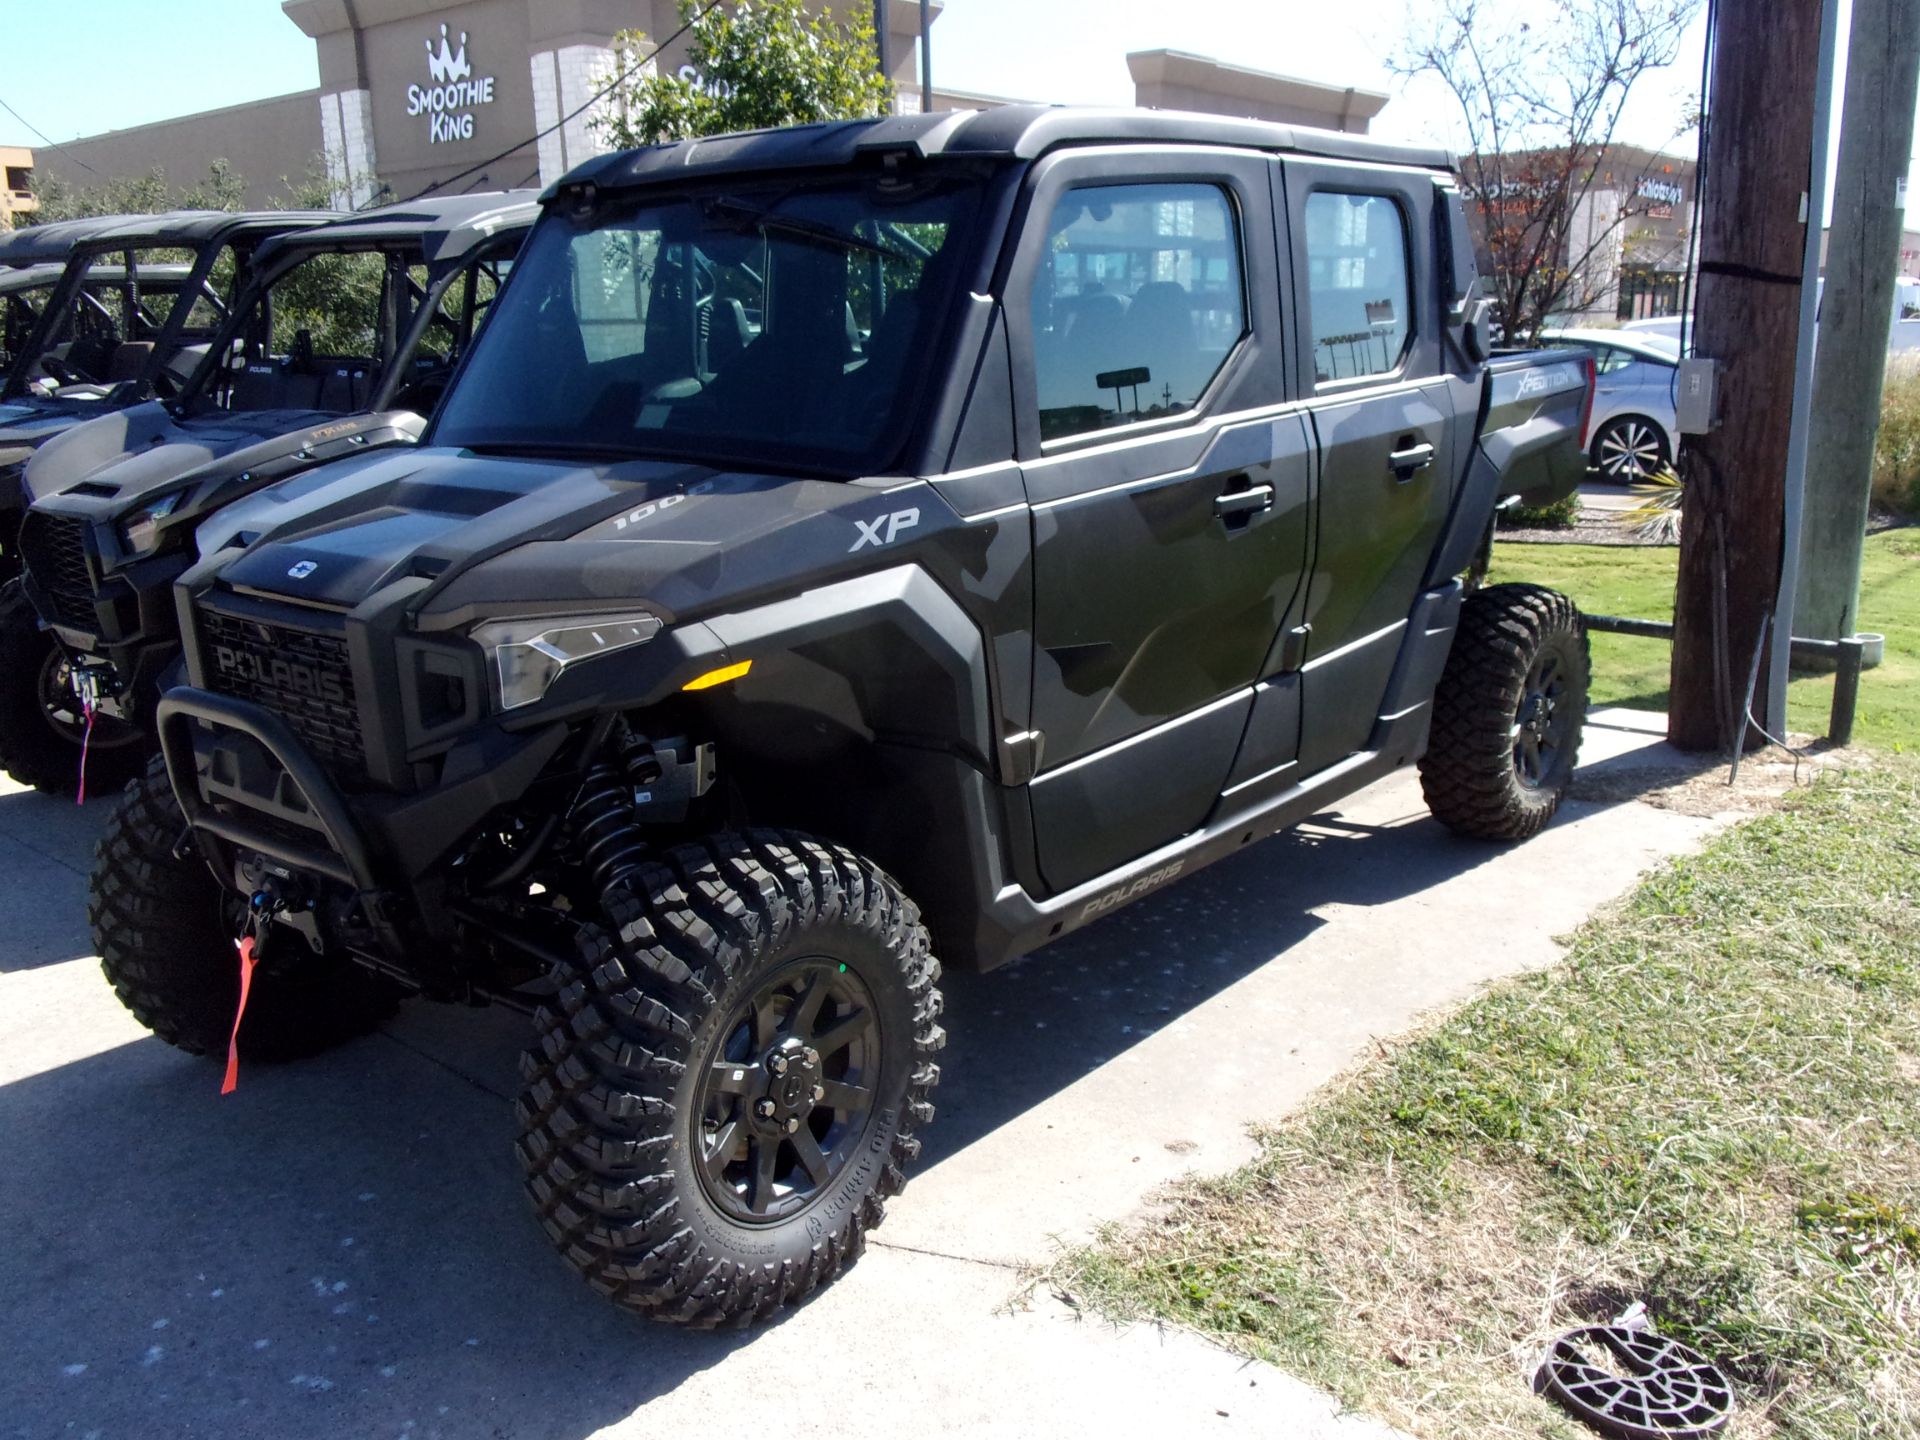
(169, 57)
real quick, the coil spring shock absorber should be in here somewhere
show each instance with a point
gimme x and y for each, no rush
(606, 822)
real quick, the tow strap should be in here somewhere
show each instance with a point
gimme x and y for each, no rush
(86, 740)
(245, 946)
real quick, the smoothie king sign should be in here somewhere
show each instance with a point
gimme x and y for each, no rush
(449, 101)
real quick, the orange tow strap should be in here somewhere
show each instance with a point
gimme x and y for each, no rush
(245, 946)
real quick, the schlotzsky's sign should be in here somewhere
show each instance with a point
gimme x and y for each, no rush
(448, 103)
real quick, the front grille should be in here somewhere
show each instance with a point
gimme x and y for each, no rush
(303, 676)
(54, 550)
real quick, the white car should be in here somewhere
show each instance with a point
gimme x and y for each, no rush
(1632, 429)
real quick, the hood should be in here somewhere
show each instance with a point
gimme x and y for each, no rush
(338, 533)
(32, 425)
(133, 454)
(496, 536)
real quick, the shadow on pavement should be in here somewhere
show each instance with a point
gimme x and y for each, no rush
(337, 1249)
(344, 1246)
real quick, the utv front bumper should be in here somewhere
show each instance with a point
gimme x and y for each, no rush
(253, 790)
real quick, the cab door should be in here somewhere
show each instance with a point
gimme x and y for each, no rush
(1168, 481)
(1368, 331)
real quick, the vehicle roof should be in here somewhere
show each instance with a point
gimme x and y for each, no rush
(1645, 344)
(1015, 132)
(193, 228)
(53, 241)
(29, 277)
(446, 227)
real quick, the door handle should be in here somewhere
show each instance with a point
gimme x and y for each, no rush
(1243, 502)
(1406, 463)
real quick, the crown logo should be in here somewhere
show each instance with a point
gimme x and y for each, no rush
(448, 64)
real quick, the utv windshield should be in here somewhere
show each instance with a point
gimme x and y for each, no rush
(784, 325)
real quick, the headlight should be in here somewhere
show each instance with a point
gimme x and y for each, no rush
(141, 529)
(529, 655)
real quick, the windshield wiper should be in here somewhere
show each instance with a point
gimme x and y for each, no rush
(726, 210)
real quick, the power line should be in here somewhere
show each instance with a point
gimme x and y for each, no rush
(575, 113)
(43, 136)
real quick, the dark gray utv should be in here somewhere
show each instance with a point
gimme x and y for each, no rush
(342, 341)
(846, 544)
(96, 347)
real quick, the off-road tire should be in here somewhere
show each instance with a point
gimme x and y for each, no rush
(1470, 775)
(31, 750)
(610, 1116)
(165, 932)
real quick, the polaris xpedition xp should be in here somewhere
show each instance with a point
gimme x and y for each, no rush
(845, 542)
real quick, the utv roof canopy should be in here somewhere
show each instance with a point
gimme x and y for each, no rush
(1013, 132)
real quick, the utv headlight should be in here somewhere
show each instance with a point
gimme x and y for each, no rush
(141, 529)
(529, 655)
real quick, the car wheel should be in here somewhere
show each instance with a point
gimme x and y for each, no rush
(1507, 714)
(732, 1077)
(42, 728)
(1630, 450)
(165, 932)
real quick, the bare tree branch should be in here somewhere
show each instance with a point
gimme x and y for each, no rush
(1541, 94)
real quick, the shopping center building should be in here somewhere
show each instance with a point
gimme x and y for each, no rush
(415, 93)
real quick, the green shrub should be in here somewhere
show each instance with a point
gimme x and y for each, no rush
(1896, 451)
(1560, 515)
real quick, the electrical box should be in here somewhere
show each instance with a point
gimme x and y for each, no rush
(1696, 401)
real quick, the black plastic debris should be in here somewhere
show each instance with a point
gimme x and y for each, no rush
(1656, 1389)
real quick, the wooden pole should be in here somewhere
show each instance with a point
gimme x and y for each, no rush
(1856, 310)
(1752, 239)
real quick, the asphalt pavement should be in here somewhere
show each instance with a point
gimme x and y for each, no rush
(342, 1247)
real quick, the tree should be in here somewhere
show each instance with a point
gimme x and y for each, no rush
(148, 194)
(750, 66)
(1540, 93)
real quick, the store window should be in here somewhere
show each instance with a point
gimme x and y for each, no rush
(1137, 305)
(1357, 285)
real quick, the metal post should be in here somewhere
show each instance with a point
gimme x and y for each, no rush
(1846, 690)
(926, 56)
(880, 40)
(1780, 661)
(1876, 139)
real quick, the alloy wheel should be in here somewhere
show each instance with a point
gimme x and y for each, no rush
(786, 1094)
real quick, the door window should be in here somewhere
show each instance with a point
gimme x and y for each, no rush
(1357, 286)
(1137, 306)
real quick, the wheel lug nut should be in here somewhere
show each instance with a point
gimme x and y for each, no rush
(792, 1125)
(764, 1109)
(812, 1057)
(819, 1093)
(777, 1064)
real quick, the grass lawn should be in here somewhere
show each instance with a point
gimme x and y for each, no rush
(1638, 582)
(1713, 1105)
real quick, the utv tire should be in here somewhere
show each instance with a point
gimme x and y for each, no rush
(1508, 713)
(733, 1077)
(165, 932)
(40, 722)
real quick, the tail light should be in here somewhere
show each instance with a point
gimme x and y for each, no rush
(1586, 405)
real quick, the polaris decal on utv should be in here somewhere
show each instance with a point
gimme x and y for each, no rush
(843, 544)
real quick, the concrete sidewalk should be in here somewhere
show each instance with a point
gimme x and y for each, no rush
(342, 1248)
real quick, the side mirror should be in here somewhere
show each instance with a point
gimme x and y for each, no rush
(1477, 335)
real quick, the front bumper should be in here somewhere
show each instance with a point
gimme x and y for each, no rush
(252, 788)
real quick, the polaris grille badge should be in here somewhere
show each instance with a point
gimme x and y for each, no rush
(301, 570)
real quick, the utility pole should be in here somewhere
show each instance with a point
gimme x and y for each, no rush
(1759, 147)
(926, 56)
(1856, 311)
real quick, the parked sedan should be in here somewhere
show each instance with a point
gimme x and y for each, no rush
(1632, 430)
